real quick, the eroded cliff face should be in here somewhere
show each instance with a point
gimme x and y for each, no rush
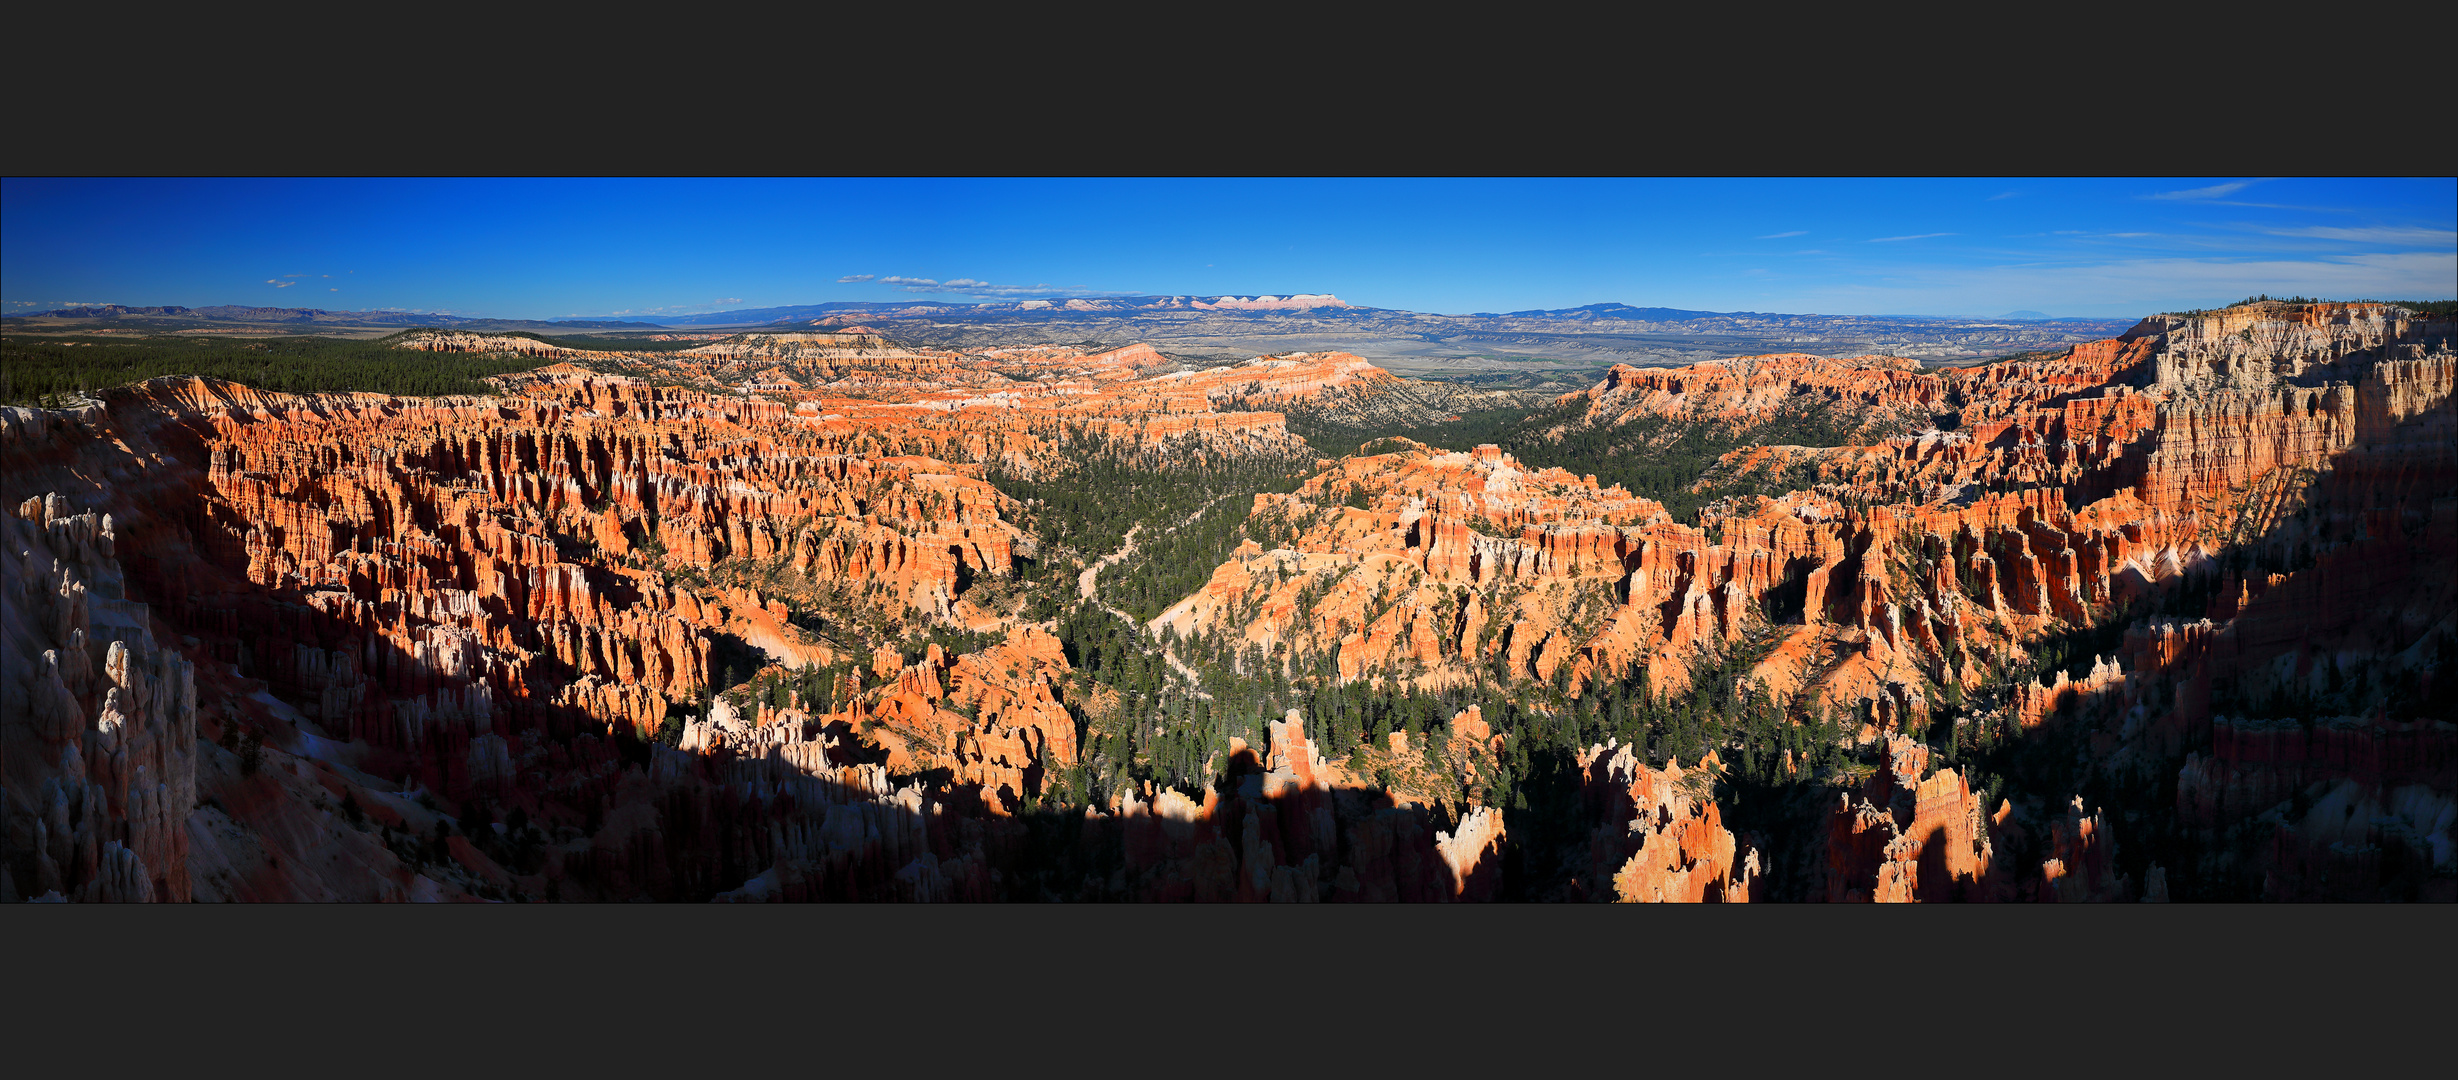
(1915, 832)
(1661, 837)
(1880, 393)
(437, 636)
(1421, 564)
(991, 722)
(1011, 406)
(98, 731)
(2257, 500)
(459, 341)
(357, 647)
(1292, 827)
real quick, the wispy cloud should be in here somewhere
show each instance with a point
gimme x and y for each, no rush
(2286, 206)
(2141, 286)
(279, 283)
(1915, 236)
(852, 278)
(2002, 195)
(965, 286)
(728, 300)
(2215, 191)
(1781, 235)
(2403, 236)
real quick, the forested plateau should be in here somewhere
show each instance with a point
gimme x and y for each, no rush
(790, 616)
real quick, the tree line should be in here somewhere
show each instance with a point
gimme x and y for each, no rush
(1656, 457)
(49, 372)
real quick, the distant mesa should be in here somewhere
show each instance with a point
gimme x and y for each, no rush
(846, 325)
(1221, 326)
(804, 615)
(1297, 302)
(1620, 311)
(1273, 303)
(242, 313)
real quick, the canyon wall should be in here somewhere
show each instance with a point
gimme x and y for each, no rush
(437, 638)
(351, 646)
(2260, 500)
(98, 730)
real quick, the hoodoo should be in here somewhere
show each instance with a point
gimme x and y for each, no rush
(808, 616)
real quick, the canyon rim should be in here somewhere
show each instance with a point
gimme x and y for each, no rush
(817, 613)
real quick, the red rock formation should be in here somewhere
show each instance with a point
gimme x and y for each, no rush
(456, 341)
(466, 589)
(992, 719)
(1661, 837)
(98, 725)
(1296, 828)
(415, 615)
(1903, 838)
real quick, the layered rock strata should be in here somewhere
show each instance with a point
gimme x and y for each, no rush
(98, 730)
(1661, 836)
(430, 635)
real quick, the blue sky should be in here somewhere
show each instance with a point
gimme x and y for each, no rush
(599, 248)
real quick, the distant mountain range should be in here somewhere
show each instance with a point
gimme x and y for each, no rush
(1579, 338)
(1220, 327)
(1055, 309)
(242, 314)
(1319, 304)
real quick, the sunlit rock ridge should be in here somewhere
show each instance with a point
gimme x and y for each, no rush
(826, 614)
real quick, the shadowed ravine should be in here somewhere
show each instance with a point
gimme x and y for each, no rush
(2162, 617)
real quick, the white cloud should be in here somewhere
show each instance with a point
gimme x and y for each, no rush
(2215, 191)
(975, 287)
(1916, 236)
(852, 278)
(279, 283)
(2416, 237)
(1043, 289)
(1781, 235)
(2140, 286)
(729, 300)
